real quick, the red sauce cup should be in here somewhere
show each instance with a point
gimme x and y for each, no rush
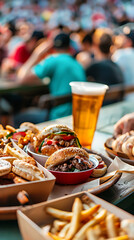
(74, 177)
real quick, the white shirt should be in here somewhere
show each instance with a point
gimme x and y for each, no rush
(125, 59)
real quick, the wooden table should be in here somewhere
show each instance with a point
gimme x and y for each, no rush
(124, 197)
(11, 91)
(10, 86)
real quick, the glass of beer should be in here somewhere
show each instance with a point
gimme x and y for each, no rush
(87, 100)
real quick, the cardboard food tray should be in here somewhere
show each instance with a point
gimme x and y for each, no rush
(38, 191)
(111, 153)
(31, 219)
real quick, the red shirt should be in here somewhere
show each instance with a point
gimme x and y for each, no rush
(20, 55)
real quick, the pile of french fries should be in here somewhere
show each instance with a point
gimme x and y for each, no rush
(87, 221)
(6, 133)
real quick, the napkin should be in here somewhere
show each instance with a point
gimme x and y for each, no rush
(127, 178)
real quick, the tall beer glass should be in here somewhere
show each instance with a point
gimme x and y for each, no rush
(87, 101)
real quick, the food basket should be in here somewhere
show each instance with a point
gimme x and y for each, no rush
(111, 153)
(31, 219)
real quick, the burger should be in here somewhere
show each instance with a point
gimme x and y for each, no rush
(70, 159)
(53, 138)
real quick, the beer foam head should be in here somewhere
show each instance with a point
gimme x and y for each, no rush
(87, 88)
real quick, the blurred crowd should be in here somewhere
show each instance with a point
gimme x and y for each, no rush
(67, 41)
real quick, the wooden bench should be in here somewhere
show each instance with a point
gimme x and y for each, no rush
(115, 93)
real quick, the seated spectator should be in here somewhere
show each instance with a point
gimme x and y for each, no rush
(61, 68)
(86, 56)
(104, 70)
(124, 57)
(14, 40)
(21, 53)
(2, 49)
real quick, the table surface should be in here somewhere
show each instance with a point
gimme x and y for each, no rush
(124, 198)
(10, 86)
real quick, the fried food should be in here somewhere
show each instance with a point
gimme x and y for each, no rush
(30, 160)
(9, 176)
(27, 171)
(10, 128)
(13, 152)
(110, 224)
(9, 159)
(85, 214)
(17, 180)
(98, 225)
(124, 143)
(5, 167)
(75, 221)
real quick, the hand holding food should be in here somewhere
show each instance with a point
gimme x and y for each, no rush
(125, 124)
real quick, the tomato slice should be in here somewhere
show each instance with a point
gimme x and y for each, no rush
(67, 138)
(18, 135)
(49, 142)
(101, 165)
(37, 149)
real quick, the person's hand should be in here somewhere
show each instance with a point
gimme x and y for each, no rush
(125, 124)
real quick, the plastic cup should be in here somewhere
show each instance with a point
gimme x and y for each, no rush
(87, 100)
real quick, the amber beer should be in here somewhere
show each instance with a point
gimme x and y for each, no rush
(87, 101)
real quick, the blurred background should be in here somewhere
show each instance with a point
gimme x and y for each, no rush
(44, 45)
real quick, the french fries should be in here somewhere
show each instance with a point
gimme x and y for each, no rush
(110, 224)
(10, 128)
(75, 221)
(13, 152)
(87, 221)
(85, 214)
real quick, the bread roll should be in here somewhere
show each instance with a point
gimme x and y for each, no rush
(29, 126)
(124, 143)
(27, 171)
(5, 167)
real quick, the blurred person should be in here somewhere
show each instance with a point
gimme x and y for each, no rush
(61, 68)
(2, 49)
(125, 124)
(25, 29)
(11, 38)
(21, 54)
(87, 41)
(124, 57)
(103, 69)
(86, 56)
